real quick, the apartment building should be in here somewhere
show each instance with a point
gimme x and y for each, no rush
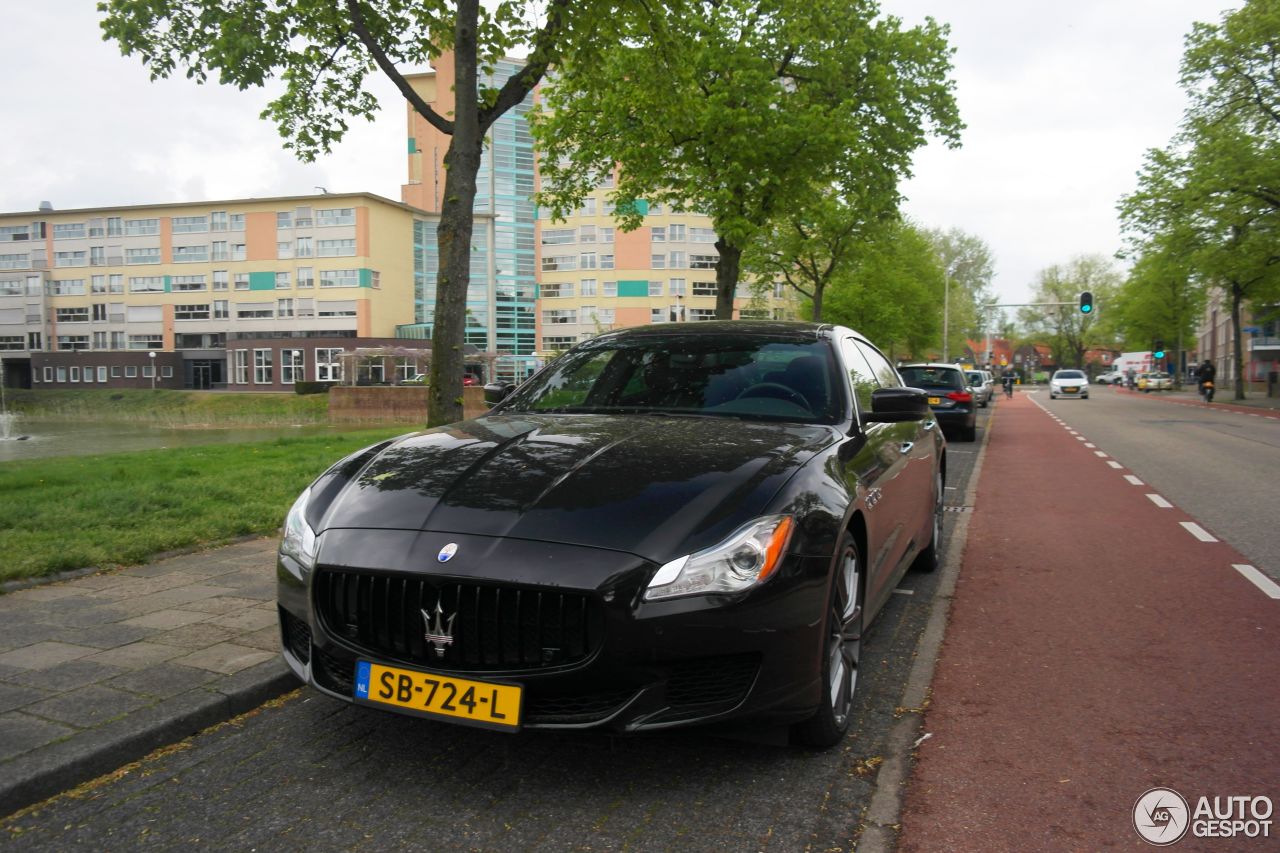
(251, 294)
(1261, 342)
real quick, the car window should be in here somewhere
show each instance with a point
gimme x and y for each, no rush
(860, 375)
(935, 377)
(1069, 374)
(975, 378)
(885, 373)
(730, 375)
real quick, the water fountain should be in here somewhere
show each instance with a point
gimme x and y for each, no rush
(7, 418)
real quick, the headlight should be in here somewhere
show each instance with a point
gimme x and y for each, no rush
(745, 559)
(299, 539)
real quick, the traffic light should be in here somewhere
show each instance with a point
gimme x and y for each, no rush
(1086, 302)
(1157, 350)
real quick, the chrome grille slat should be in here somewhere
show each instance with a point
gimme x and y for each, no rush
(496, 628)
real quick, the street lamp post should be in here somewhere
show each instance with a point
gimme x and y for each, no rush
(152, 355)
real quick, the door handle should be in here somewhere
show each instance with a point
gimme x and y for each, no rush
(906, 446)
(930, 424)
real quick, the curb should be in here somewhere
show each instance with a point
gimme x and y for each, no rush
(882, 820)
(89, 754)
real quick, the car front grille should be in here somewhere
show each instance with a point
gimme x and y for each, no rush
(711, 685)
(296, 635)
(491, 627)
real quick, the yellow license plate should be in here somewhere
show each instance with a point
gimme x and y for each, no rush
(1073, 389)
(481, 703)
(933, 401)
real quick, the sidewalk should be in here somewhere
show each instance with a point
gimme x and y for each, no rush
(1085, 663)
(101, 669)
(1254, 400)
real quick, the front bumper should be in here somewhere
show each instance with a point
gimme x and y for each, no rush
(628, 665)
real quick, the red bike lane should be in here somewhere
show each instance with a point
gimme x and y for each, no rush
(1086, 662)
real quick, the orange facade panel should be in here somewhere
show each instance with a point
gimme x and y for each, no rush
(631, 317)
(170, 344)
(166, 240)
(260, 236)
(364, 318)
(631, 249)
(362, 232)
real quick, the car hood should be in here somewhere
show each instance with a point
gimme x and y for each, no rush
(642, 484)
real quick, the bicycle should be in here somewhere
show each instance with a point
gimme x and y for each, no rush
(1008, 389)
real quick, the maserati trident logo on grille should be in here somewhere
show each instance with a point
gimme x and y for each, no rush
(447, 552)
(440, 633)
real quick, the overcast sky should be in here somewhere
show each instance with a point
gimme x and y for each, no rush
(1061, 100)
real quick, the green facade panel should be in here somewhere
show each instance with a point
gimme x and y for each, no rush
(262, 281)
(633, 288)
(168, 284)
(366, 277)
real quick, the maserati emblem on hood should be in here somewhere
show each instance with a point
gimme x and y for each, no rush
(447, 552)
(440, 632)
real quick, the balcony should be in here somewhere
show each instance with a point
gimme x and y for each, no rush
(1264, 344)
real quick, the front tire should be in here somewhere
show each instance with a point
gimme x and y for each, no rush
(841, 652)
(930, 558)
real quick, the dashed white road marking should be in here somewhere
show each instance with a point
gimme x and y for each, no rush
(1090, 444)
(1258, 579)
(901, 591)
(1134, 480)
(1197, 531)
(1114, 464)
(1099, 454)
(1159, 501)
(1079, 438)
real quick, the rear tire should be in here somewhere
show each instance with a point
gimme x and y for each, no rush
(969, 433)
(841, 651)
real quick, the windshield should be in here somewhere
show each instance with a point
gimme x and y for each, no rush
(754, 378)
(975, 378)
(931, 377)
(1069, 374)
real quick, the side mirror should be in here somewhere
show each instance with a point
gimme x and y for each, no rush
(894, 405)
(496, 393)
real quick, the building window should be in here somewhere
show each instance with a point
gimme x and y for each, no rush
(336, 216)
(220, 279)
(146, 284)
(73, 342)
(282, 281)
(115, 283)
(48, 374)
(587, 261)
(657, 315)
(237, 221)
(141, 227)
(556, 263)
(557, 236)
(702, 235)
(306, 277)
(75, 374)
(655, 288)
(563, 315)
(284, 219)
(606, 262)
(704, 288)
(115, 226)
(292, 366)
(67, 287)
(237, 251)
(254, 311)
(190, 224)
(701, 314)
(262, 367)
(242, 281)
(131, 371)
(190, 254)
(658, 262)
(588, 207)
(240, 367)
(284, 251)
(68, 231)
(678, 287)
(15, 262)
(99, 340)
(606, 235)
(70, 259)
(658, 234)
(339, 278)
(610, 289)
(336, 248)
(677, 261)
(557, 289)
(328, 365)
(557, 342)
(166, 372)
(142, 256)
(187, 282)
(220, 309)
(97, 256)
(71, 315)
(306, 248)
(218, 220)
(284, 308)
(191, 312)
(587, 287)
(703, 262)
(221, 251)
(148, 341)
(587, 234)
(115, 371)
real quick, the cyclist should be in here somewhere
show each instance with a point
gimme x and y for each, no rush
(1007, 379)
(1206, 373)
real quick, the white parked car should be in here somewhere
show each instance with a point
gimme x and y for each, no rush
(1111, 377)
(982, 385)
(1069, 383)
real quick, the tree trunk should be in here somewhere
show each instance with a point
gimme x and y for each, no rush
(1237, 297)
(818, 288)
(727, 269)
(462, 162)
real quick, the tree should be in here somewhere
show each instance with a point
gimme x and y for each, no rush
(740, 109)
(967, 260)
(1217, 185)
(812, 246)
(323, 51)
(1160, 300)
(892, 292)
(1069, 332)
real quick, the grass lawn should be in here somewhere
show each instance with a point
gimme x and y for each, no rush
(170, 408)
(123, 508)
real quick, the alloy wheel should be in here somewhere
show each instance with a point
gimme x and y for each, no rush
(845, 642)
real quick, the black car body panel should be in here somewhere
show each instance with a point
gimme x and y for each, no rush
(540, 532)
(940, 381)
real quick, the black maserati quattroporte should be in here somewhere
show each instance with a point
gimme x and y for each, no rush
(666, 526)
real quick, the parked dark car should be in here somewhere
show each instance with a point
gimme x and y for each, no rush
(668, 525)
(949, 396)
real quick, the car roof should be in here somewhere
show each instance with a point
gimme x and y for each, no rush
(933, 364)
(764, 328)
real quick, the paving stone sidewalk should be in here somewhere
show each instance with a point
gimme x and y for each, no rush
(99, 670)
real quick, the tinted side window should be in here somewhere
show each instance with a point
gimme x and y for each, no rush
(861, 376)
(884, 372)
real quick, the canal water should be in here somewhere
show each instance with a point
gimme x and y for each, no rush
(81, 438)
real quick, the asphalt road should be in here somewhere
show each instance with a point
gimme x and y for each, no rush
(1217, 465)
(309, 772)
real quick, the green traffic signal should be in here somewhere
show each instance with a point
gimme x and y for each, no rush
(1157, 351)
(1086, 302)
